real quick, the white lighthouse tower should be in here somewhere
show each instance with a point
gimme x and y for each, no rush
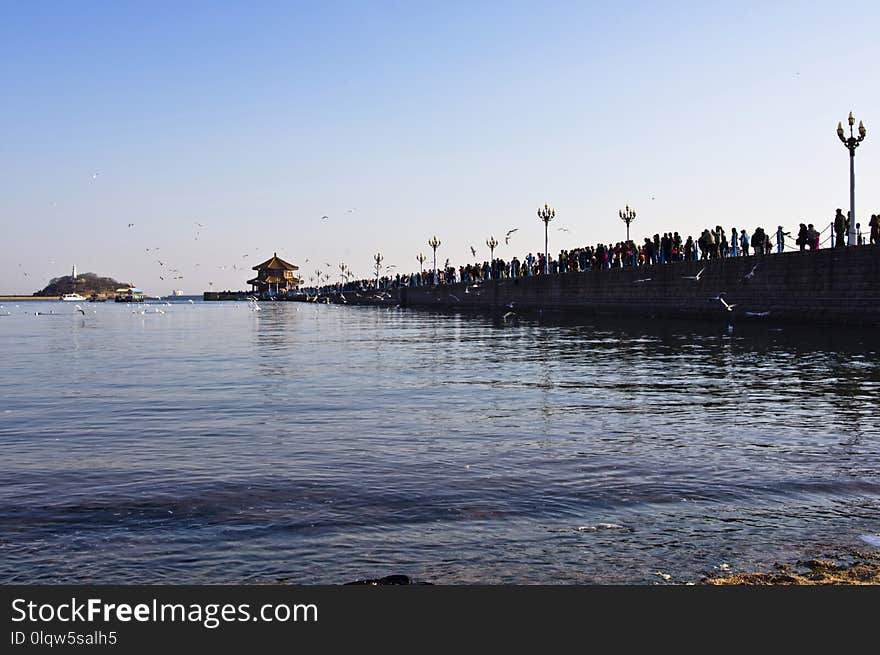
(73, 275)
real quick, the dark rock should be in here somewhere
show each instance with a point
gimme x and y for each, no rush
(387, 580)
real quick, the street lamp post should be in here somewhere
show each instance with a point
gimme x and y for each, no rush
(434, 243)
(492, 243)
(378, 259)
(851, 143)
(627, 216)
(342, 268)
(546, 214)
(420, 258)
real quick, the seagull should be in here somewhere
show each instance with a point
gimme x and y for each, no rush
(352, 210)
(454, 297)
(473, 251)
(509, 232)
(564, 229)
(646, 279)
(726, 306)
(508, 315)
(131, 225)
(758, 314)
(80, 310)
(750, 274)
(694, 277)
(324, 218)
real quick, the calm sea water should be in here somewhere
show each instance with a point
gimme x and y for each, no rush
(213, 444)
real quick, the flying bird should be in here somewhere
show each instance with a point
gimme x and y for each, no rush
(131, 225)
(750, 274)
(474, 251)
(324, 218)
(726, 306)
(563, 229)
(694, 277)
(645, 279)
(509, 232)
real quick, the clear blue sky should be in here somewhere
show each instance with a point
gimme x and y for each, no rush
(451, 118)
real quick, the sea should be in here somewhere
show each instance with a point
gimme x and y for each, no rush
(206, 443)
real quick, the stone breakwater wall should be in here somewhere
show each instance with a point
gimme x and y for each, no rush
(829, 286)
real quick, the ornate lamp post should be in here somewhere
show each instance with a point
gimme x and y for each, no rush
(851, 144)
(627, 216)
(378, 259)
(420, 258)
(492, 243)
(434, 243)
(342, 269)
(546, 214)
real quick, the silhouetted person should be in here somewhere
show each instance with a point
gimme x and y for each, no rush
(812, 237)
(803, 237)
(840, 227)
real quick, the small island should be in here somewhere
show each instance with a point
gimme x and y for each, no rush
(85, 284)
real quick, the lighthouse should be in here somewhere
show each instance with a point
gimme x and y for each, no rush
(73, 275)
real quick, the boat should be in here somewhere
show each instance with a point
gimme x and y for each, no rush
(129, 294)
(177, 292)
(72, 297)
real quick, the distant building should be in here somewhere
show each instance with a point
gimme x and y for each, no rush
(274, 276)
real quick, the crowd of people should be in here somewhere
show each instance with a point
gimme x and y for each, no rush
(711, 244)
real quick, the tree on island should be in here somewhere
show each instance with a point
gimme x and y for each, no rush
(85, 284)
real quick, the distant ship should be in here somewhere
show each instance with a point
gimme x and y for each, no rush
(177, 292)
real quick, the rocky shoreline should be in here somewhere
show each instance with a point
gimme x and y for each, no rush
(864, 571)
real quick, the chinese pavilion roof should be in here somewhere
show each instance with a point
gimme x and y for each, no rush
(276, 264)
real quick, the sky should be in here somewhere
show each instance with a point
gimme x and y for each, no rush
(225, 131)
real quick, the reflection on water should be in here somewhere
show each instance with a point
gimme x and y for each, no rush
(324, 444)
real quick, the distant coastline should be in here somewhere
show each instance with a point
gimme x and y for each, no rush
(14, 298)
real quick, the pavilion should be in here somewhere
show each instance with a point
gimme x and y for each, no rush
(274, 276)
